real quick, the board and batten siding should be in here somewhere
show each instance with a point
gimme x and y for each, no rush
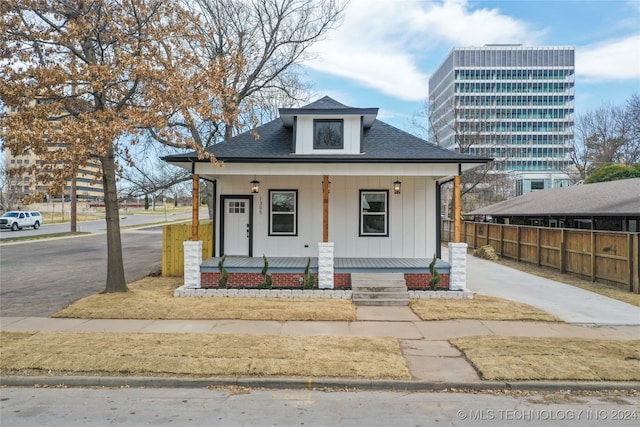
(412, 216)
(304, 135)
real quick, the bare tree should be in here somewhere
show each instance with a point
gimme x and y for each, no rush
(248, 51)
(10, 196)
(630, 128)
(273, 35)
(607, 135)
(469, 132)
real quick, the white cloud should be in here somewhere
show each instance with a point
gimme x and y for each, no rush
(382, 43)
(617, 59)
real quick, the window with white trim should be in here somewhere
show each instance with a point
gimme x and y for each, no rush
(283, 212)
(374, 213)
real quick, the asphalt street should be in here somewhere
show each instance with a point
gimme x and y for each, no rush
(39, 278)
(241, 406)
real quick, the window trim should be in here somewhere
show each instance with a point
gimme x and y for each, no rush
(387, 216)
(295, 213)
(316, 122)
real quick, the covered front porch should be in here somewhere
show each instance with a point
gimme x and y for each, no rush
(288, 272)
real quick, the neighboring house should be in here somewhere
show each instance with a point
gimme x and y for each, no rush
(326, 177)
(613, 205)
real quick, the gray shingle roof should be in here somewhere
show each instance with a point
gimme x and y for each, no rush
(601, 199)
(381, 143)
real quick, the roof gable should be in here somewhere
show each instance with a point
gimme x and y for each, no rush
(327, 106)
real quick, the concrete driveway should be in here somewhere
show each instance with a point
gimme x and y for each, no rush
(569, 303)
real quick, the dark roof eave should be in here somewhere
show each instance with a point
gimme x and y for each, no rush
(559, 214)
(181, 159)
(328, 111)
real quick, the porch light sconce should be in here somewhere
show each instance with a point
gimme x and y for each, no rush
(255, 186)
(397, 186)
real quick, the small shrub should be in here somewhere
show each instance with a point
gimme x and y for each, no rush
(309, 278)
(435, 276)
(224, 277)
(268, 283)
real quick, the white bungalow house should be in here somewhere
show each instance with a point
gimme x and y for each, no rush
(329, 183)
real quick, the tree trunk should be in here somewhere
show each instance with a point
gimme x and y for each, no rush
(73, 219)
(115, 266)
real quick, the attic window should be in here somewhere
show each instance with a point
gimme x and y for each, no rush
(328, 134)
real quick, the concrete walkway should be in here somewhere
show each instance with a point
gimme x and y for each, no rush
(569, 303)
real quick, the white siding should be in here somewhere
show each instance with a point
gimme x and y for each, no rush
(304, 135)
(412, 216)
(309, 218)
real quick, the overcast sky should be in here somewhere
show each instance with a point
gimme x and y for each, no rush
(385, 50)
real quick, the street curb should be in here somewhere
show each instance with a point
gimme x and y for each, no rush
(311, 383)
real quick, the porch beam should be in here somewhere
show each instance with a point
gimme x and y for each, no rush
(195, 203)
(325, 209)
(457, 210)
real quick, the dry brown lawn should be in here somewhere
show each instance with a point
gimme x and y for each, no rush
(520, 358)
(152, 298)
(200, 355)
(481, 307)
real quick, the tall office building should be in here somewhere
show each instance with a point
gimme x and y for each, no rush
(88, 187)
(510, 102)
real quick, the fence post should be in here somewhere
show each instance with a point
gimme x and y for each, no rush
(593, 256)
(635, 267)
(538, 246)
(501, 239)
(518, 243)
(563, 248)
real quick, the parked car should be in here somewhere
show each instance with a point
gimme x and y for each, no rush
(17, 220)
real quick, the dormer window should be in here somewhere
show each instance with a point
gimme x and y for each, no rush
(328, 134)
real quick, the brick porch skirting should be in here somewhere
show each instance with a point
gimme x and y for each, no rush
(209, 280)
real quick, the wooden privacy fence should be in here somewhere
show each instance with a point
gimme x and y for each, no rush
(173, 236)
(605, 256)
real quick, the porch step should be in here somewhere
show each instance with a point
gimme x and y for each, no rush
(388, 289)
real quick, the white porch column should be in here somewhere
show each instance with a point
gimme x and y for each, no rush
(192, 261)
(458, 262)
(325, 265)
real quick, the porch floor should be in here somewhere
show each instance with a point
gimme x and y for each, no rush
(243, 264)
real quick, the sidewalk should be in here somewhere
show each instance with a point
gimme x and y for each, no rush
(432, 361)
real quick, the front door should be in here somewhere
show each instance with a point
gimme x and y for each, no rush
(236, 226)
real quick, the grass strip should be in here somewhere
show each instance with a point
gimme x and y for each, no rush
(481, 307)
(179, 354)
(40, 237)
(521, 358)
(152, 298)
